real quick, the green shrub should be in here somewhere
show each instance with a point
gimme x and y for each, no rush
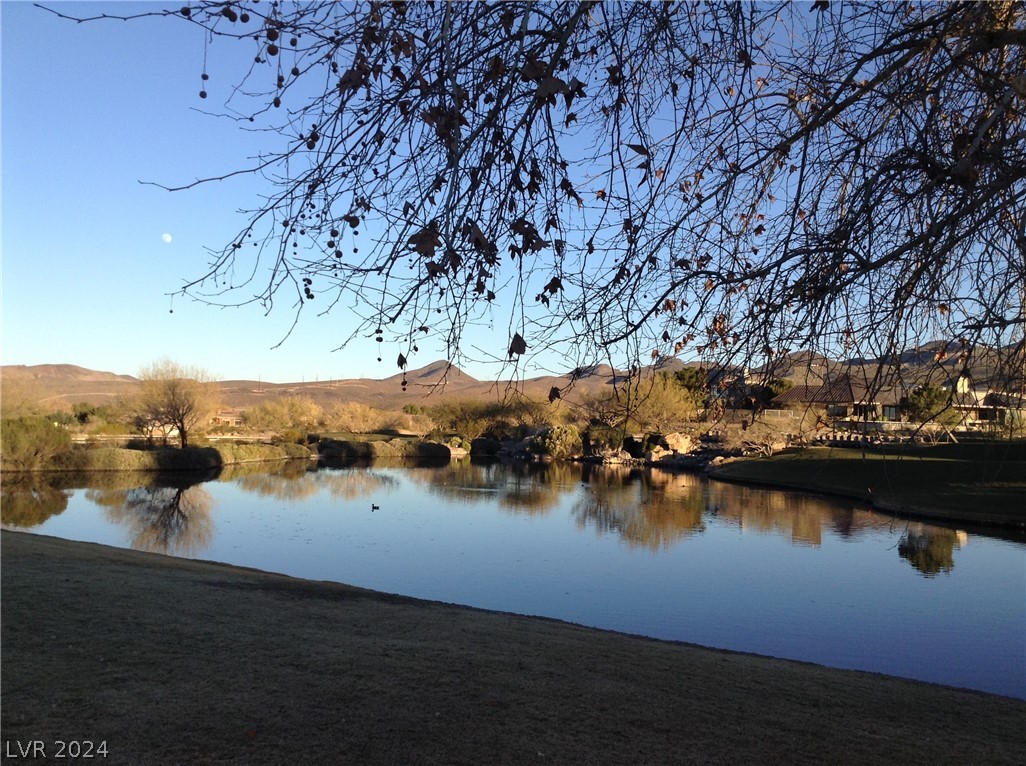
(393, 448)
(653, 441)
(409, 448)
(98, 458)
(336, 449)
(62, 418)
(231, 452)
(28, 443)
(171, 458)
(925, 403)
(559, 442)
(470, 418)
(292, 436)
(296, 450)
(601, 438)
(234, 452)
(465, 417)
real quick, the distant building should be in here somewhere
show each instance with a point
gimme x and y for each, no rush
(989, 409)
(229, 418)
(844, 398)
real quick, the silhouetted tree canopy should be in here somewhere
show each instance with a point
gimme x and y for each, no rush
(635, 180)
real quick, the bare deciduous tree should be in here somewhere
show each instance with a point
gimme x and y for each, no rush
(177, 397)
(633, 180)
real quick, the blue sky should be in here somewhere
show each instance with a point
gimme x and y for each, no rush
(89, 111)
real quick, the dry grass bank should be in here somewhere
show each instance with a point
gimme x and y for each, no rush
(174, 661)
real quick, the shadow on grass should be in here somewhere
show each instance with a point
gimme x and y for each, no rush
(983, 484)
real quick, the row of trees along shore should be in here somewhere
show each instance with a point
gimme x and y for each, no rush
(178, 402)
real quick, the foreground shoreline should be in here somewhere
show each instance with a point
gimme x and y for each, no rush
(178, 661)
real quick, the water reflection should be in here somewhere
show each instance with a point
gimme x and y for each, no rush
(356, 483)
(642, 551)
(280, 486)
(516, 487)
(803, 518)
(931, 550)
(29, 501)
(649, 509)
(655, 510)
(169, 519)
(299, 480)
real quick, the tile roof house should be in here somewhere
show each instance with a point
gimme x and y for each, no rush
(845, 398)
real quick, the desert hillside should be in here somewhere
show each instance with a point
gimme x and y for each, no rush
(69, 384)
(935, 362)
(64, 383)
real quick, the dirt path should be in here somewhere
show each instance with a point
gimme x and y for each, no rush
(171, 661)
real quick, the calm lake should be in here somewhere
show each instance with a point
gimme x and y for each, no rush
(667, 555)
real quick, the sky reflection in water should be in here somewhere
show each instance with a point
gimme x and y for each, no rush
(659, 554)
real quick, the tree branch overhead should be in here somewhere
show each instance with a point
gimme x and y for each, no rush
(728, 181)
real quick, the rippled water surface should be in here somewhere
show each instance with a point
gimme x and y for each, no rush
(665, 555)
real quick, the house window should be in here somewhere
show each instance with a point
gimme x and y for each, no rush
(837, 411)
(890, 412)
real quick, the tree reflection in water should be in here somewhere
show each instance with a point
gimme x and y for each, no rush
(462, 481)
(170, 519)
(355, 483)
(800, 516)
(645, 507)
(279, 486)
(291, 480)
(519, 487)
(29, 502)
(652, 509)
(536, 489)
(930, 549)
(300, 482)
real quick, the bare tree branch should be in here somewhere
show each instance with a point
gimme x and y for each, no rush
(736, 181)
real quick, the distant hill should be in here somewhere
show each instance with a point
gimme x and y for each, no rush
(71, 384)
(441, 380)
(437, 371)
(67, 383)
(939, 359)
(61, 372)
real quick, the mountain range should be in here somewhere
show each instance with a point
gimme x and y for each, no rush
(937, 361)
(70, 384)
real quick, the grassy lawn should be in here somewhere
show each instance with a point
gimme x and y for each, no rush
(983, 484)
(172, 660)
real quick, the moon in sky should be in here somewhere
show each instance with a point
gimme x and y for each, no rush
(167, 238)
